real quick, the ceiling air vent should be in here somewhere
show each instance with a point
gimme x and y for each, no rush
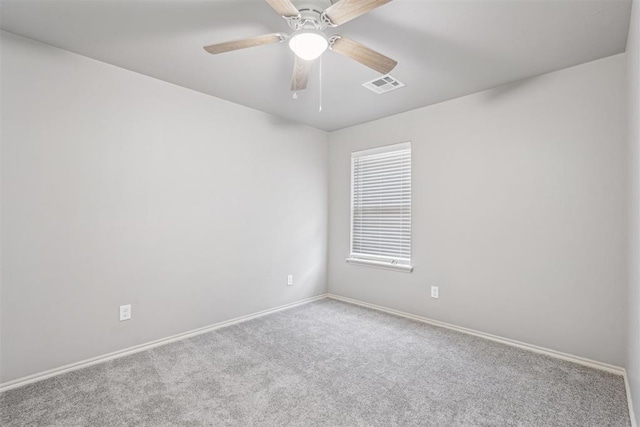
(383, 84)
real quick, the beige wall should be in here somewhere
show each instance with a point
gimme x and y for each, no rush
(519, 211)
(118, 188)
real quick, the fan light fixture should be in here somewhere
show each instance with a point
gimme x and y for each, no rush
(308, 21)
(308, 44)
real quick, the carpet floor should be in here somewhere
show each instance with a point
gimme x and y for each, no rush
(326, 363)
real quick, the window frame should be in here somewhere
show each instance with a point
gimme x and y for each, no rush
(372, 260)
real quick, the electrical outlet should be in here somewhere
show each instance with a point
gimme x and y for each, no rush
(125, 312)
(290, 280)
(435, 292)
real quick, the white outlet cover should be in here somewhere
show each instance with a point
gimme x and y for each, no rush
(435, 292)
(125, 312)
(290, 280)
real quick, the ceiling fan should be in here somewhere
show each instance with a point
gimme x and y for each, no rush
(308, 20)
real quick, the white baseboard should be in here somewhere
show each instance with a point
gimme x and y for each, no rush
(632, 413)
(536, 349)
(142, 347)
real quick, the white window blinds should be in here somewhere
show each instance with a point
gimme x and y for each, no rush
(381, 206)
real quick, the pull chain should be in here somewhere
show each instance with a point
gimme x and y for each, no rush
(320, 87)
(295, 72)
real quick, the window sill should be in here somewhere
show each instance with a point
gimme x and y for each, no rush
(380, 264)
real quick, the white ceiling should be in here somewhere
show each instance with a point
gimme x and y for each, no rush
(445, 48)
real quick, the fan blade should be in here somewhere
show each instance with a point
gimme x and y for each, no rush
(284, 8)
(346, 10)
(300, 75)
(245, 43)
(362, 54)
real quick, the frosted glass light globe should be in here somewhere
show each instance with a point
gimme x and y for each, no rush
(308, 44)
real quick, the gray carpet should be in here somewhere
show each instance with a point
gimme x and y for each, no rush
(326, 363)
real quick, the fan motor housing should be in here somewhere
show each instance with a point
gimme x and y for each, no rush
(310, 14)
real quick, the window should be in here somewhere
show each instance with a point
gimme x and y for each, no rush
(381, 207)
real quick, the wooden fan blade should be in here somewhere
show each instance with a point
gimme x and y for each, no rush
(346, 10)
(362, 54)
(284, 8)
(244, 43)
(300, 75)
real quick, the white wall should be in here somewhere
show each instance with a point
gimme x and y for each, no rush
(519, 211)
(633, 76)
(118, 188)
(1, 126)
